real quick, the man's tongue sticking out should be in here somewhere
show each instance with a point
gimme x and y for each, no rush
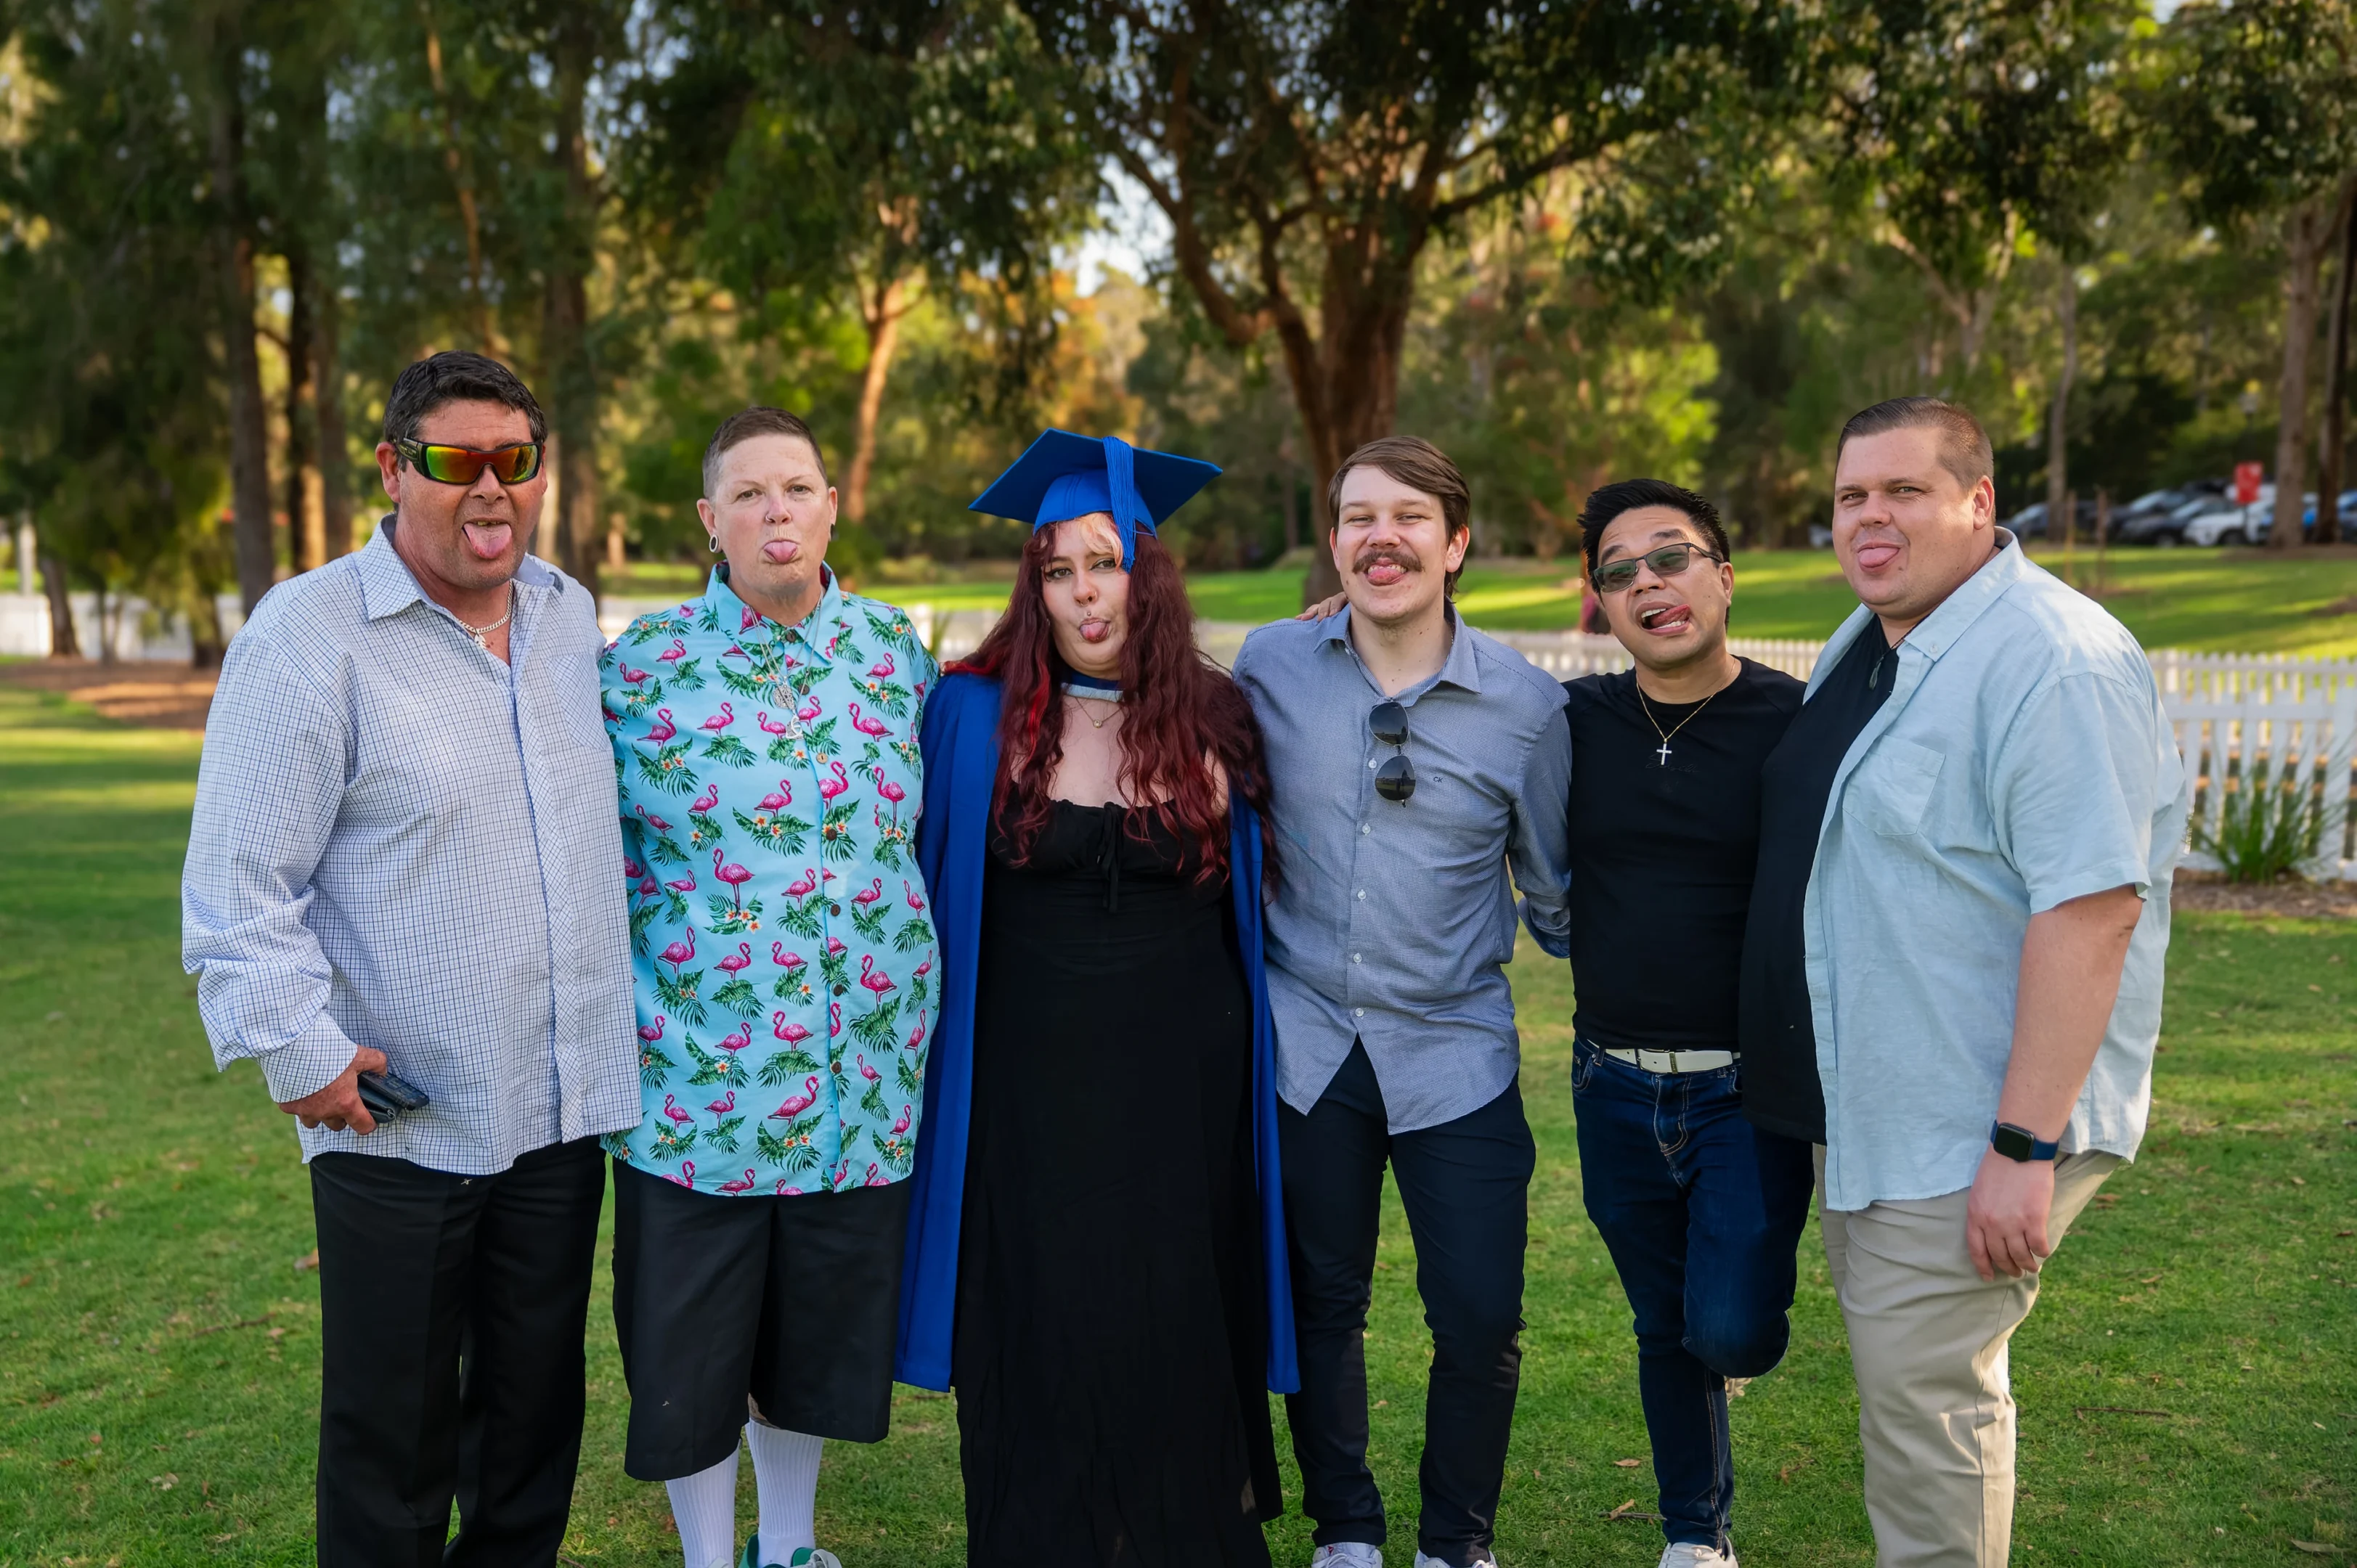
(1873, 554)
(1383, 568)
(488, 539)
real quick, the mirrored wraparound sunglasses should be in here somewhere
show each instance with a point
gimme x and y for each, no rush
(1667, 562)
(464, 465)
(1395, 779)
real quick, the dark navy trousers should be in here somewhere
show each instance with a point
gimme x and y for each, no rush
(1703, 1214)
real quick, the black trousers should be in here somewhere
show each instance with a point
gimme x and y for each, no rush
(454, 1309)
(1466, 1186)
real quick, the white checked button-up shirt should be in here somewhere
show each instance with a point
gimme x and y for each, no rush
(401, 841)
(2022, 760)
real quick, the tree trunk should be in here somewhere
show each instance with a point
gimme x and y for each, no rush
(2309, 229)
(462, 170)
(578, 544)
(306, 526)
(63, 644)
(233, 245)
(2058, 419)
(881, 316)
(2336, 391)
(328, 402)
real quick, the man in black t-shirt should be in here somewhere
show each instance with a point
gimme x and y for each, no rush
(1701, 1210)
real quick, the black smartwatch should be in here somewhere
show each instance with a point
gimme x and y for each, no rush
(2019, 1143)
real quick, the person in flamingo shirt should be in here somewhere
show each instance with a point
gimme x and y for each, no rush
(765, 736)
(401, 855)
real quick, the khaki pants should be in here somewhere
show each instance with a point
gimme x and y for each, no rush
(1927, 1344)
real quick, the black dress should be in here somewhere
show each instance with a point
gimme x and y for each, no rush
(1111, 1335)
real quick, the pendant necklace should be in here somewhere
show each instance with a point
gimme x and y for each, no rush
(1094, 692)
(482, 633)
(1664, 752)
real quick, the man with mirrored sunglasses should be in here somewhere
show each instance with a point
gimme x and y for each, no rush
(1403, 746)
(1701, 1212)
(406, 854)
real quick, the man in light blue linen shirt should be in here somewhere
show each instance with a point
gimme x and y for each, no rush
(1982, 937)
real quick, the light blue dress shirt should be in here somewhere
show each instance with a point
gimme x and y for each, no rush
(401, 841)
(2022, 760)
(1394, 920)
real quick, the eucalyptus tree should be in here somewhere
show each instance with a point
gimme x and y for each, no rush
(2256, 105)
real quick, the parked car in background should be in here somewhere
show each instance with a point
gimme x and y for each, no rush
(2158, 517)
(2224, 522)
(2346, 511)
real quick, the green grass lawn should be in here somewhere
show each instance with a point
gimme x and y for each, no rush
(2243, 601)
(159, 1341)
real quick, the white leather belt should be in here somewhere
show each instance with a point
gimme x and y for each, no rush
(1674, 1061)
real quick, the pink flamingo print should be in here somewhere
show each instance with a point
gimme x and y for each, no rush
(871, 726)
(805, 885)
(633, 676)
(925, 968)
(875, 1178)
(737, 962)
(735, 875)
(684, 884)
(785, 1191)
(651, 819)
(737, 1042)
(834, 948)
(686, 1176)
(719, 721)
(902, 1124)
(778, 799)
(652, 1032)
(649, 887)
(747, 619)
(743, 1184)
(724, 1105)
(768, 726)
(673, 654)
(828, 789)
(891, 791)
(916, 900)
(679, 954)
(917, 1034)
(810, 710)
(870, 1073)
(661, 730)
(670, 1109)
(869, 894)
(882, 668)
(631, 869)
(794, 1105)
(873, 979)
(793, 1034)
(833, 1019)
(787, 961)
(704, 802)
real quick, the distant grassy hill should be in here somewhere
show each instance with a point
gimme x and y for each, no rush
(2247, 601)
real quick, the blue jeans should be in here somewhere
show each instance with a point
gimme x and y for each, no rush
(1702, 1213)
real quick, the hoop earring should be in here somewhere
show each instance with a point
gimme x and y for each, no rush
(712, 542)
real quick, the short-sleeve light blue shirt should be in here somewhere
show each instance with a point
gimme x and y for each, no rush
(2022, 760)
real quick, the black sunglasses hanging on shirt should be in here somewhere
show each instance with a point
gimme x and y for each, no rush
(1395, 779)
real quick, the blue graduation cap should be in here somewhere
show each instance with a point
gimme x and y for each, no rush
(1062, 475)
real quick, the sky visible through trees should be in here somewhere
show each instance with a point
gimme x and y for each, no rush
(1568, 243)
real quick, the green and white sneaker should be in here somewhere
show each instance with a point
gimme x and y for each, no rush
(803, 1557)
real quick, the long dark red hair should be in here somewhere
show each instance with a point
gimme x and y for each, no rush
(1179, 710)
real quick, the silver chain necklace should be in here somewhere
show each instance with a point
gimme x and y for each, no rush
(482, 633)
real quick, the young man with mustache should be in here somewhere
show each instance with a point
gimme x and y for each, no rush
(1701, 1212)
(405, 854)
(1403, 746)
(1952, 975)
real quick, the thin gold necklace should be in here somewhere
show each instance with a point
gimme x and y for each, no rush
(1664, 753)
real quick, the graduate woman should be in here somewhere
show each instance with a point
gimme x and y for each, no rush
(1096, 1250)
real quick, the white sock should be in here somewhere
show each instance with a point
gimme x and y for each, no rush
(704, 1505)
(785, 1470)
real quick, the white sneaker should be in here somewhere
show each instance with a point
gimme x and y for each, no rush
(1691, 1555)
(1347, 1555)
(1484, 1560)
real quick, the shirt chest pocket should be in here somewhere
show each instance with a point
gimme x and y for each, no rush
(1891, 790)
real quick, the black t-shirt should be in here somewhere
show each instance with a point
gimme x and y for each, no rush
(1662, 854)
(1780, 1089)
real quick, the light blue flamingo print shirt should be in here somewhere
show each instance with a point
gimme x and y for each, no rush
(781, 951)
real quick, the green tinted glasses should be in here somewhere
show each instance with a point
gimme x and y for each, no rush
(464, 465)
(1667, 562)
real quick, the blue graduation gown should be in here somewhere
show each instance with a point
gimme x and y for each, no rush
(961, 746)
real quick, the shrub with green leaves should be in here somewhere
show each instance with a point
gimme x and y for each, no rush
(2267, 827)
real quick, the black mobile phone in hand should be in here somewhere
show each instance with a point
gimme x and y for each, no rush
(389, 1095)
